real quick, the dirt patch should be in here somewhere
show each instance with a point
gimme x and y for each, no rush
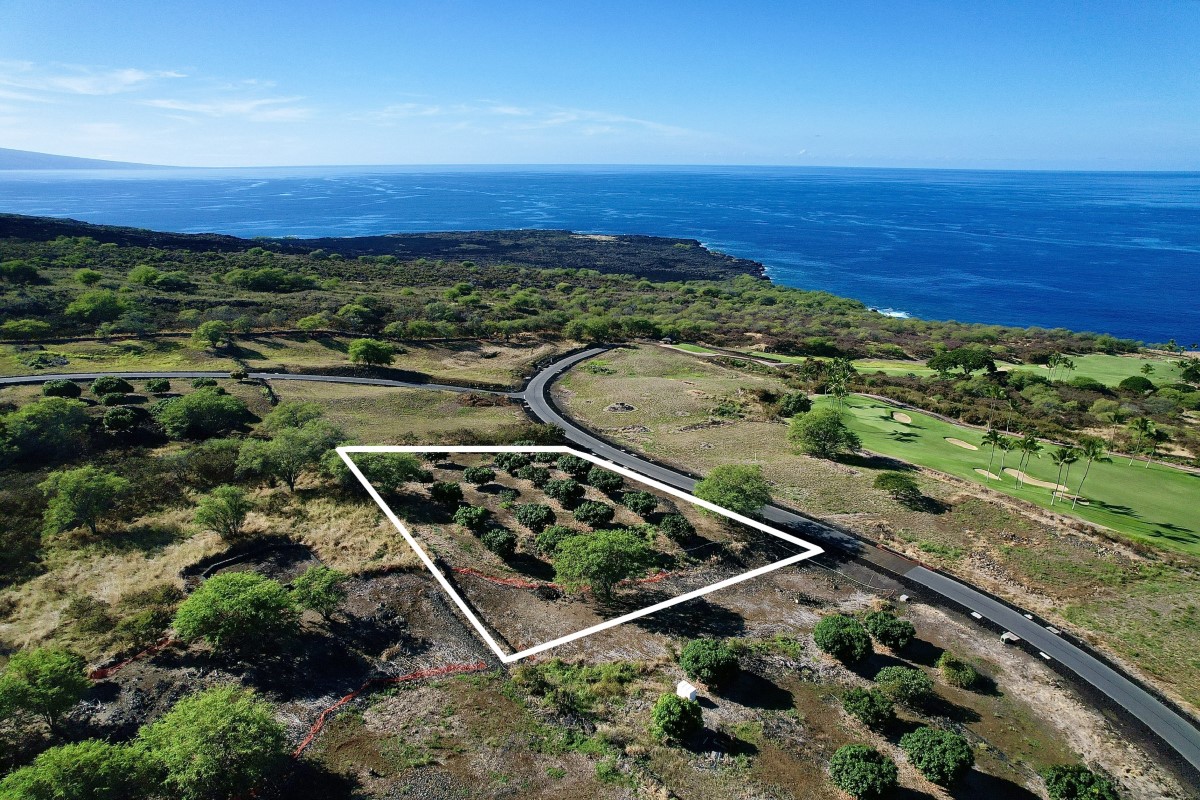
(960, 443)
(620, 408)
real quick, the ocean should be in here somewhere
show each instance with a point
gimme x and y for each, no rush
(1116, 253)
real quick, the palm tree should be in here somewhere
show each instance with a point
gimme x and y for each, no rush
(1143, 427)
(1007, 444)
(1062, 457)
(1156, 436)
(1029, 446)
(992, 437)
(1052, 363)
(1091, 448)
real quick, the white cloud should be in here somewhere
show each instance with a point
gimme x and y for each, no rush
(77, 80)
(266, 109)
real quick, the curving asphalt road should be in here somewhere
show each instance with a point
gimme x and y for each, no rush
(1169, 725)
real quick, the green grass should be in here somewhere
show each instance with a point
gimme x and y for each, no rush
(1155, 504)
(1111, 370)
(693, 348)
(164, 354)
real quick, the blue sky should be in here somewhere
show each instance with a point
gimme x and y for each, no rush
(1039, 84)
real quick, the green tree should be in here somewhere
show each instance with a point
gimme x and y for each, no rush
(371, 352)
(158, 386)
(863, 772)
(941, 756)
(1077, 782)
(1029, 447)
(446, 493)
(110, 384)
(641, 503)
(473, 518)
(143, 275)
(88, 277)
(534, 516)
(242, 611)
(223, 511)
(52, 427)
(566, 490)
(709, 661)
(61, 388)
(906, 685)
(120, 419)
(548, 540)
(1091, 448)
(740, 488)
(500, 541)
(1062, 457)
(87, 770)
(200, 414)
(574, 466)
(289, 453)
(604, 479)
(600, 560)
(842, 637)
(957, 672)
(387, 472)
(81, 496)
(1142, 428)
(871, 707)
(676, 527)
(593, 514)
(992, 438)
(1136, 384)
(98, 305)
(900, 486)
(889, 630)
(538, 476)
(823, 434)
(793, 404)
(675, 719)
(478, 476)
(24, 329)
(212, 334)
(46, 682)
(220, 743)
(320, 589)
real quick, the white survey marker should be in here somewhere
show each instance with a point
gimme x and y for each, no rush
(808, 548)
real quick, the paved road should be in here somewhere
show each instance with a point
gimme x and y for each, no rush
(1173, 728)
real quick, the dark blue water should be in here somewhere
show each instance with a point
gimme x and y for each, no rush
(1111, 252)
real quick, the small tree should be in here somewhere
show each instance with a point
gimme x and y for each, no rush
(81, 496)
(823, 434)
(87, 770)
(741, 488)
(387, 472)
(600, 560)
(871, 707)
(239, 611)
(574, 466)
(547, 541)
(219, 743)
(200, 414)
(900, 486)
(640, 503)
(863, 772)
(538, 476)
(158, 386)
(446, 493)
(941, 756)
(212, 334)
(593, 514)
(1077, 782)
(534, 516)
(52, 427)
(110, 384)
(119, 420)
(566, 491)
(675, 719)
(61, 388)
(473, 518)
(88, 277)
(289, 453)
(500, 541)
(371, 352)
(478, 476)
(512, 462)
(223, 511)
(906, 685)
(842, 637)
(604, 479)
(46, 682)
(957, 672)
(890, 631)
(794, 403)
(709, 661)
(320, 589)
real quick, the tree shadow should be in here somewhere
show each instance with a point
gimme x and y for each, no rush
(920, 651)
(531, 566)
(692, 619)
(708, 741)
(926, 504)
(308, 780)
(981, 784)
(754, 691)
(938, 706)
(147, 539)
(874, 461)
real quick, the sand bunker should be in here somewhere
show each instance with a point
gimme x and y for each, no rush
(960, 443)
(900, 416)
(990, 475)
(1023, 478)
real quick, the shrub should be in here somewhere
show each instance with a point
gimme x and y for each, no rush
(871, 707)
(319, 589)
(534, 516)
(219, 743)
(592, 513)
(900, 486)
(478, 476)
(676, 527)
(290, 452)
(538, 476)
(565, 491)
(904, 685)
(1136, 384)
(640, 503)
(239, 611)
(371, 352)
(200, 414)
(143, 275)
(794, 403)
(119, 419)
(223, 511)
(889, 630)
(87, 770)
(956, 672)
(52, 427)
(601, 560)
(213, 333)
(604, 479)
(842, 637)
(941, 756)
(863, 772)
(823, 434)
(548, 540)
(709, 661)
(98, 305)
(46, 682)
(675, 718)
(741, 488)
(447, 493)
(61, 388)
(574, 466)
(110, 384)
(1077, 782)
(24, 329)
(204, 383)
(512, 462)
(114, 399)
(81, 496)
(500, 541)
(158, 386)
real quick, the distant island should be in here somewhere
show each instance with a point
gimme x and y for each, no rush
(28, 159)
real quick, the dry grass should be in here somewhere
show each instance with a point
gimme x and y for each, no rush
(350, 536)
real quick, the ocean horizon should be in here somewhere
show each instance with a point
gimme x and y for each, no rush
(1110, 252)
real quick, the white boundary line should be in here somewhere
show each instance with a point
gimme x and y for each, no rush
(810, 549)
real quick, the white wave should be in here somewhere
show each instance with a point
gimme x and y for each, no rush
(892, 312)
